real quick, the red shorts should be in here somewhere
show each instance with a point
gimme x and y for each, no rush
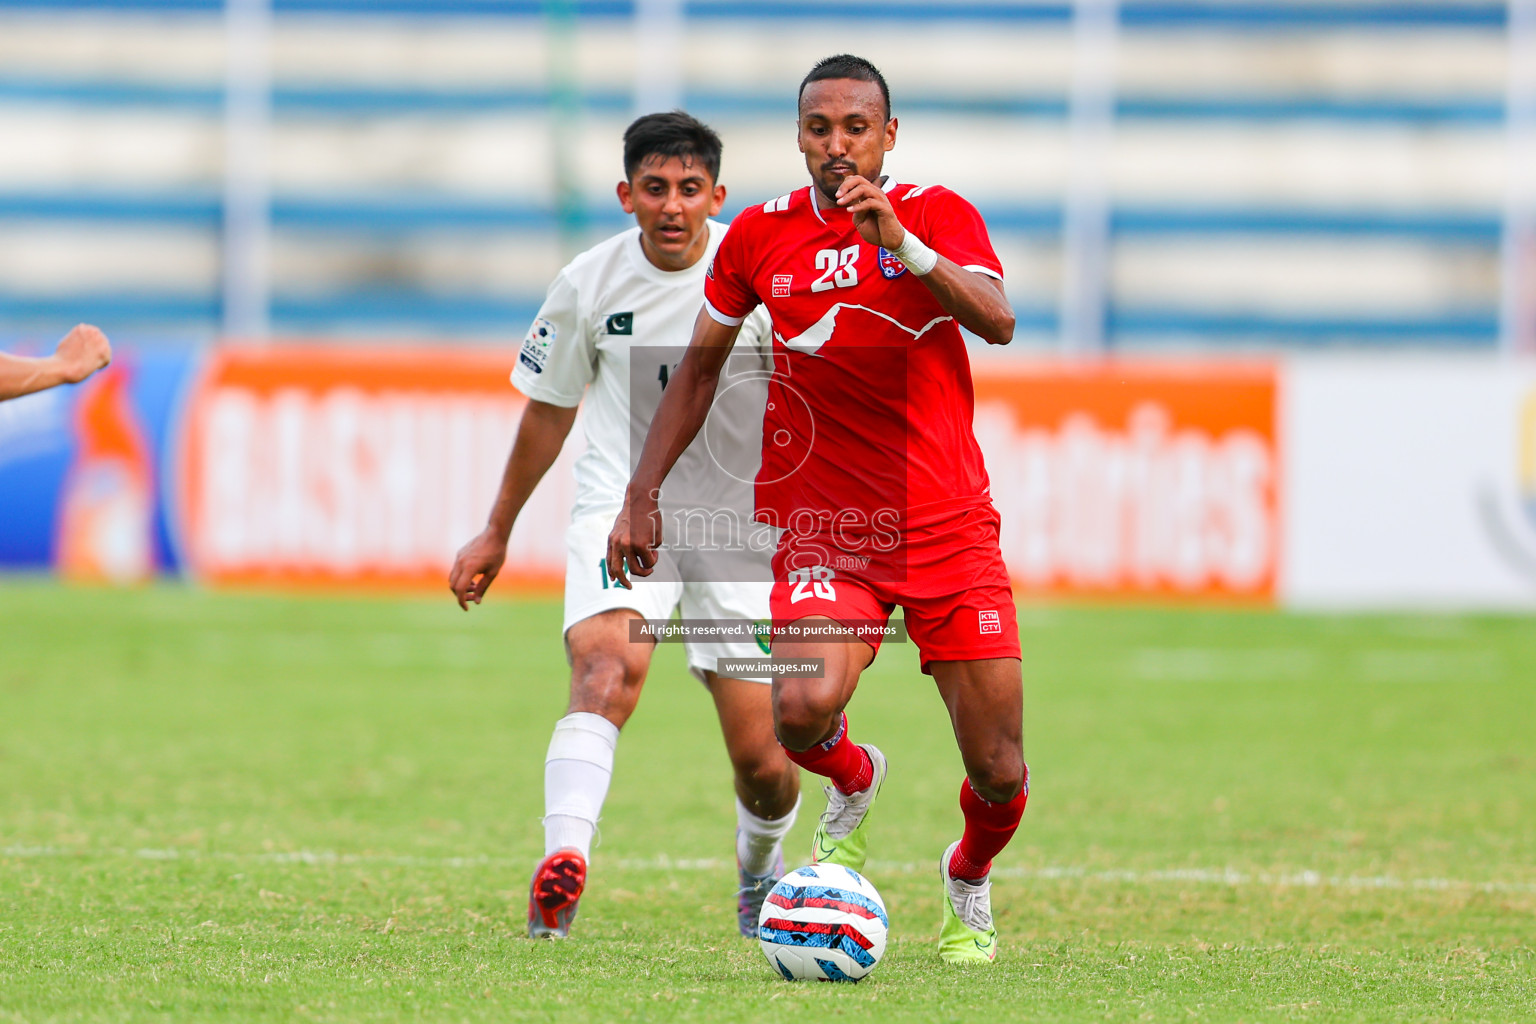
(947, 576)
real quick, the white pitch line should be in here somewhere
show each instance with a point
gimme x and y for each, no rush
(312, 857)
(1197, 876)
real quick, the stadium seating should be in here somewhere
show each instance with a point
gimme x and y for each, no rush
(1282, 175)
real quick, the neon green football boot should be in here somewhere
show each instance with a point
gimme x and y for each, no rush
(840, 835)
(967, 935)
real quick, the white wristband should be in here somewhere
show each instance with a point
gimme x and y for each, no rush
(915, 255)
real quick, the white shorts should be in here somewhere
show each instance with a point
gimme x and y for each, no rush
(589, 592)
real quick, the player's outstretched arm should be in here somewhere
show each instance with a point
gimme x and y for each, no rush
(684, 407)
(82, 352)
(975, 300)
(540, 436)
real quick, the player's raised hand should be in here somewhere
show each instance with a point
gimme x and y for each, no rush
(873, 214)
(82, 352)
(633, 541)
(476, 566)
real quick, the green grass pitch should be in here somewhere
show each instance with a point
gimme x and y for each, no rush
(257, 808)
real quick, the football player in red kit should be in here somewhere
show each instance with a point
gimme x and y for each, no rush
(871, 466)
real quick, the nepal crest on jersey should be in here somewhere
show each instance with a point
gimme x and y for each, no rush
(890, 266)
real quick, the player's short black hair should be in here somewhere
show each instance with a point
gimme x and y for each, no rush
(673, 134)
(846, 65)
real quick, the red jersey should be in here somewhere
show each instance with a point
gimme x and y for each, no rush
(869, 421)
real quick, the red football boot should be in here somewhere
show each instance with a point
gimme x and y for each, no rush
(556, 889)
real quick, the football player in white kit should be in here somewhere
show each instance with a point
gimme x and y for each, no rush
(640, 290)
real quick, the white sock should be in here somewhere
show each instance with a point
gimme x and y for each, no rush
(758, 840)
(576, 773)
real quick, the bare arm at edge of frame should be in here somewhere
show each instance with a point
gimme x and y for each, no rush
(82, 352)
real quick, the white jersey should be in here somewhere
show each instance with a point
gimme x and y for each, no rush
(602, 312)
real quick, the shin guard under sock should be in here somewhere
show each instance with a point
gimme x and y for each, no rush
(839, 759)
(988, 827)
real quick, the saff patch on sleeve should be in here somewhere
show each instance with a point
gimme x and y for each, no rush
(535, 351)
(621, 323)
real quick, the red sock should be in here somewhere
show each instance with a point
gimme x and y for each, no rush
(839, 759)
(988, 827)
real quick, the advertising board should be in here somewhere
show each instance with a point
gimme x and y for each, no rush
(1136, 479)
(301, 466)
(82, 472)
(1329, 482)
(1411, 482)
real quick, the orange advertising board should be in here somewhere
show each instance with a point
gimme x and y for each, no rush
(1125, 479)
(351, 467)
(332, 466)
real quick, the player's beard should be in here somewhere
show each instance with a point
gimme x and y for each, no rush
(830, 191)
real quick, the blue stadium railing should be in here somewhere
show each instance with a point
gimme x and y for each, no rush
(389, 214)
(408, 312)
(356, 101)
(394, 214)
(1133, 13)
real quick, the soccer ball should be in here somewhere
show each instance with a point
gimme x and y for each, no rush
(824, 923)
